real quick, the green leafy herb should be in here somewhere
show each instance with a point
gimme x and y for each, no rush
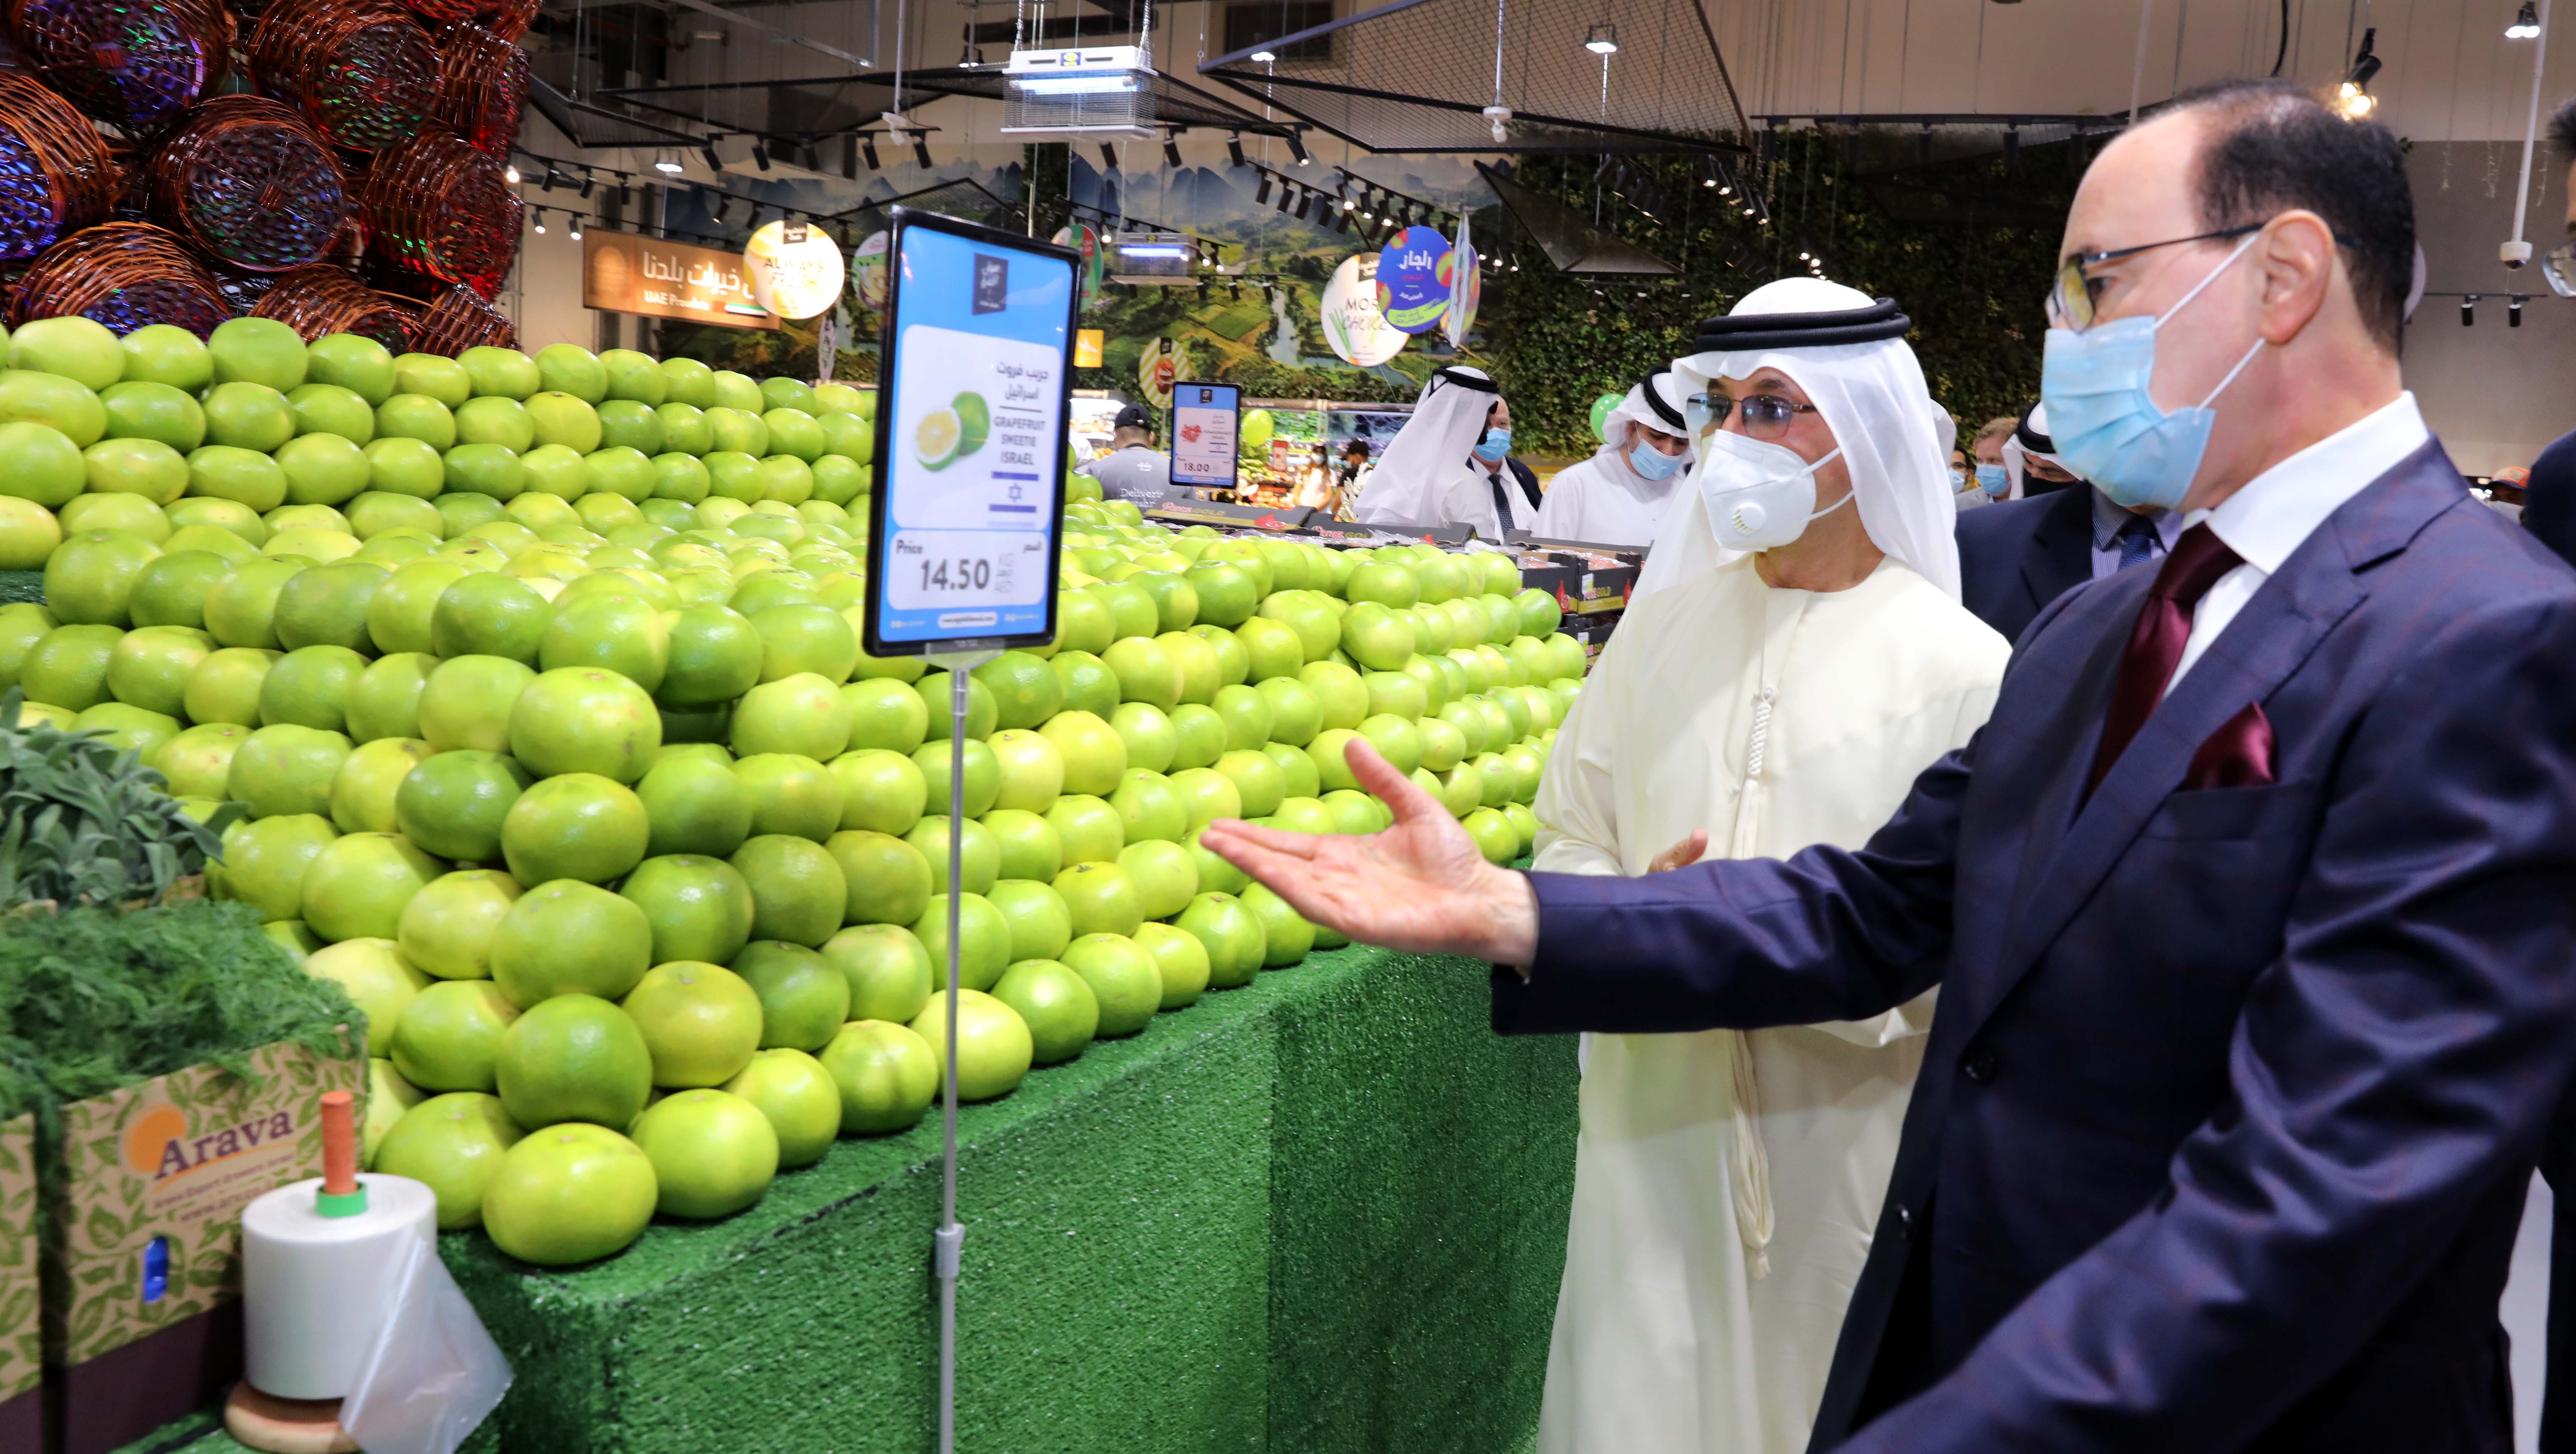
(83, 821)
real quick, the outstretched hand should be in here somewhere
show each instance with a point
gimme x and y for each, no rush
(1420, 885)
(1680, 855)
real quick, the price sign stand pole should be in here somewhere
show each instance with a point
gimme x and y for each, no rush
(949, 1242)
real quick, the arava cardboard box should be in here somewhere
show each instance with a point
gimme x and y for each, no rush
(22, 1345)
(142, 1315)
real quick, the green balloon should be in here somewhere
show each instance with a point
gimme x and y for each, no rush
(1601, 408)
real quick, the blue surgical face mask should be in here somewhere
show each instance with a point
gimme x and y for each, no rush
(2106, 425)
(1992, 479)
(1653, 463)
(1496, 444)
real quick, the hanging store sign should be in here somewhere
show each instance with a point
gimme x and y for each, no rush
(868, 270)
(1353, 323)
(796, 270)
(1088, 345)
(1157, 370)
(1413, 280)
(1466, 283)
(624, 273)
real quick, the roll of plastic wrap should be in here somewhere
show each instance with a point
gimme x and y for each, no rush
(316, 1289)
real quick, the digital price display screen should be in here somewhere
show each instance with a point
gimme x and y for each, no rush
(971, 417)
(1204, 420)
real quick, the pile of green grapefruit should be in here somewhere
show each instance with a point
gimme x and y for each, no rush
(541, 681)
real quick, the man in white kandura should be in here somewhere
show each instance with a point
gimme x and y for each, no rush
(1726, 1183)
(1618, 496)
(1446, 466)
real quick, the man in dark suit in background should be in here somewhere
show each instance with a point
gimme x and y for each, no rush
(2249, 905)
(2018, 555)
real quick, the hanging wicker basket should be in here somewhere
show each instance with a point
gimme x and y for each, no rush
(125, 275)
(134, 63)
(323, 299)
(437, 207)
(251, 185)
(459, 320)
(504, 19)
(364, 71)
(482, 82)
(56, 176)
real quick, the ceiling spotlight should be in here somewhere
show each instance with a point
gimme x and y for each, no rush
(921, 149)
(1172, 149)
(1297, 149)
(1260, 188)
(2353, 96)
(1341, 218)
(2513, 311)
(668, 165)
(1305, 203)
(2469, 311)
(1602, 39)
(550, 178)
(760, 153)
(1265, 57)
(714, 163)
(723, 205)
(2526, 24)
(574, 231)
(868, 149)
(510, 174)
(541, 221)
(1109, 158)
(1234, 147)
(1284, 191)
(587, 182)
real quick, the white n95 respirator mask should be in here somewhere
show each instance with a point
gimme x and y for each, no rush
(1758, 495)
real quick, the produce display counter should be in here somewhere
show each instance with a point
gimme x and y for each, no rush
(1322, 1213)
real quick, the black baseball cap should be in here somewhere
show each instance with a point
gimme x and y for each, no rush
(1134, 416)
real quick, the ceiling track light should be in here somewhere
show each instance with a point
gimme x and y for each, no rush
(2526, 23)
(760, 153)
(1297, 149)
(540, 215)
(2353, 97)
(1172, 149)
(1260, 188)
(1109, 158)
(2513, 311)
(714, 163)
(2469, 311)
(1234, 147)
(921, 149)
(1284, 190)
(574, 231)
(868, 150)
(1305, 203)
(548, 184)
(1602, 39)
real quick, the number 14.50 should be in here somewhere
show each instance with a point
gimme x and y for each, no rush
(966, 573)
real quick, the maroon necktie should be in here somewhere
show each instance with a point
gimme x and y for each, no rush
(2196, 562)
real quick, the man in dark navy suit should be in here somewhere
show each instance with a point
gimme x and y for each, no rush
(2018, 555)
(2253, 906)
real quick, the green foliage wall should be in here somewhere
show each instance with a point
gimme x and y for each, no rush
(1557, 341)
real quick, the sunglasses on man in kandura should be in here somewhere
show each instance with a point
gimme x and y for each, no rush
(1766, 416)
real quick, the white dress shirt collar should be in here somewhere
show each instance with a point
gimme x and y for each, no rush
(2278, 509)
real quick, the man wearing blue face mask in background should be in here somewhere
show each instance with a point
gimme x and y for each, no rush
(2018, 557)
(1618, 496)
(2249, 904)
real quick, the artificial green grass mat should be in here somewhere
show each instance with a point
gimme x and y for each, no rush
(1325, 1212)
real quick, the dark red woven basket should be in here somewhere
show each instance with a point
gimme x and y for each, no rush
(506, 19)
(459, 320)
(323, 299)
(135, 63)
(56, 176)
(125, 275)
(437, 207)
(482, 82)
(251, 185)
(364, 71)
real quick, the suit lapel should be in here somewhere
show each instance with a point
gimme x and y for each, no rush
(2065, 859)
(2061, 557)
